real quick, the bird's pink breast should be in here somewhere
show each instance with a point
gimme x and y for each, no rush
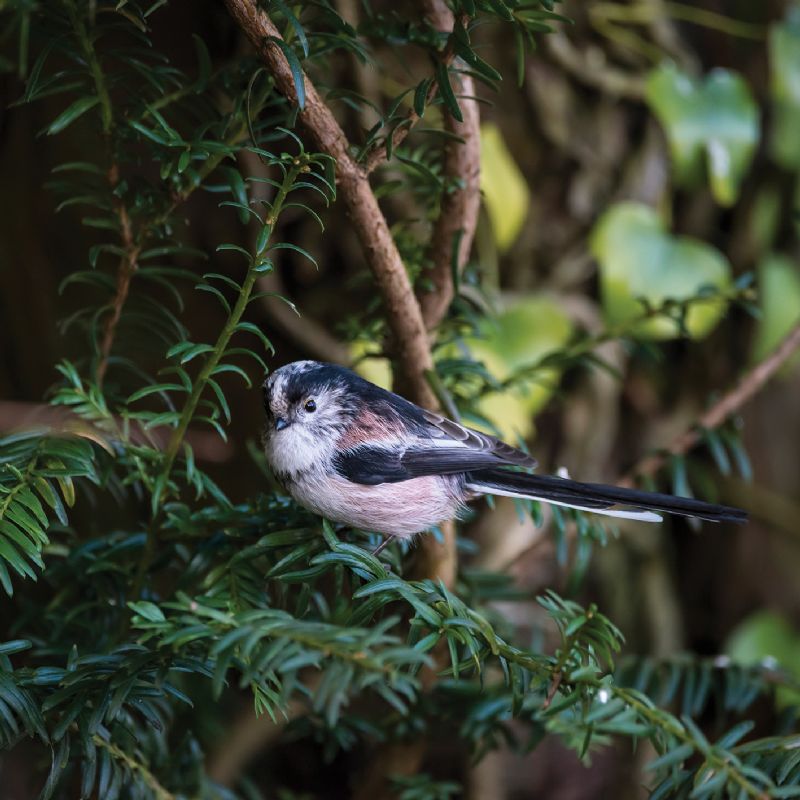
(396, 509)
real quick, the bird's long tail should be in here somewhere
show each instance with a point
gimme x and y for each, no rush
(597, 497)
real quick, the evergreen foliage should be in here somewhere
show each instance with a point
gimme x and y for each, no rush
(135, 634)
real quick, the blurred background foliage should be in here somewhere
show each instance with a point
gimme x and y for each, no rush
(636, 250)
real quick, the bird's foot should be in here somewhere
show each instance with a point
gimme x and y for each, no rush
(387, 541)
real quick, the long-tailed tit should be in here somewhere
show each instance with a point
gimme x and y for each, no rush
(358, 454)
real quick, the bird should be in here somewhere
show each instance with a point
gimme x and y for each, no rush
(360, 455)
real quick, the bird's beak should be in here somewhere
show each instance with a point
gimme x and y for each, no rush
(280, 423)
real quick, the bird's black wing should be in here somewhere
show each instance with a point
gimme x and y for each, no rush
(372, 464)
(443, 429)
(436, 445)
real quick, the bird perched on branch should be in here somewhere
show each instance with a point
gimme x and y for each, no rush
(358, 454)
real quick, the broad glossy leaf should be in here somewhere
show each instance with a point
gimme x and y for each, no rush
(766, 637)
(504, 189)
(640, 259)
(784, 53)
(517, 338)
(712, 122)
(779, 294)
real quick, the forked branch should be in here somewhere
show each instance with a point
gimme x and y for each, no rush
(455, 227)
(410, 339)
(722, 410)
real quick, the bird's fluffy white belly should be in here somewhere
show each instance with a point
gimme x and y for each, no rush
(395, 509)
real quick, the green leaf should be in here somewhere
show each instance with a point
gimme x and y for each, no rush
(640, 260)
(250, 327)
(784, 57)
(446, 91)
(295, 24)
(203, 64)
(421, 96)
(5, 580)
(735, 734)
(672, 757)
(221, 399)
(14, 646)
(505, 191)
(29, 547)
(235, 248)
(150, 611)
(464, 49)
(296, 248)
(517, 338)
(15, 560)
(67, 489)
(194, 351)
(69, 115)
(233, 368)
(779, 298)
(238, 189)
(766, 637)
(295, 67)
(714, 121)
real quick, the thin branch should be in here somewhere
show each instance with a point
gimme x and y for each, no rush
(230, 327)
(724, 408)
(311, 336)
(201, 381)
(128, 261)
(62, 421)
(449, 249)
(132, 243)
(712, 756)
(135, 767)
(95, 68)
(551, 692)
(455, 227)
(128, 264)
(443, 21)
(379, 155)
(403, 313)
(589, 65)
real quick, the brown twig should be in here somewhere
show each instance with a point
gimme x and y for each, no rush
(411, 348)
(724, 408)
(728, 405)
(135, 767)
(589, 65)
(458, 219)
(377, 156)
(129, 260)
(551, 692)
(133, 242)
(310, 335)
(454, 229)
(443, 21)
(61, 421)
(128, 264)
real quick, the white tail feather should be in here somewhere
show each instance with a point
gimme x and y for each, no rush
(642, 516)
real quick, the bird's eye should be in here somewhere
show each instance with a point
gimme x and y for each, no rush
(310, 406)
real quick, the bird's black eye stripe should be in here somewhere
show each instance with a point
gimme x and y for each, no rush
(310, 406)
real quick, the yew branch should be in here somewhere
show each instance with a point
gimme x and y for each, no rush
(455, 227)
(411, 348)
(442, 19)
(752, 382)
